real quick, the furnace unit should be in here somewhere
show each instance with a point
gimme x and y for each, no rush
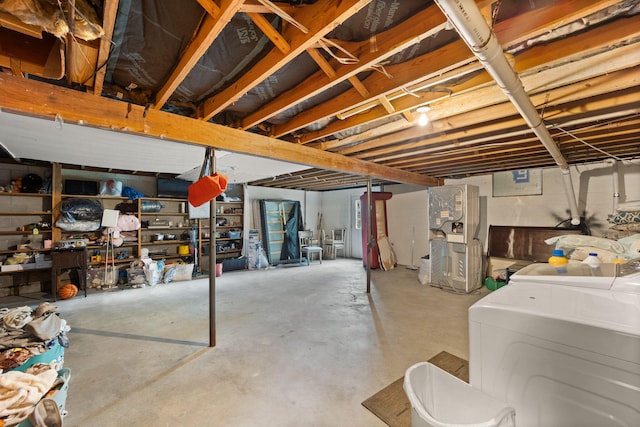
(455, 251)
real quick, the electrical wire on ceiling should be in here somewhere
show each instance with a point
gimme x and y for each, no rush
(349, 58)
(284, 15)
(566, 132)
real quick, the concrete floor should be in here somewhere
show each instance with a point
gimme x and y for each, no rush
(295, 346)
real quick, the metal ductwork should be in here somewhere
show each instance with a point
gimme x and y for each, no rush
(467, 20)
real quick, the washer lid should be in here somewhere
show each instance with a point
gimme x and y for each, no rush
(574, 274)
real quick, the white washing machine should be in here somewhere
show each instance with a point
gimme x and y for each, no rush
(563, 349)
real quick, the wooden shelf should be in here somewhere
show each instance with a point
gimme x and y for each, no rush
(104, 246)
(96, 265)
(82, 196)
(165, 242)
(232, 251)
(7, 194)
(28, 270)
(27, 233)
(174, 210)
(165, 228)
(166, 199)
(15, 251)
(163, 214)
(30, 213)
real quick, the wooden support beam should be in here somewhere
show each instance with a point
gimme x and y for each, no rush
(210, 29)
(268, 30)
(358, 86)
(319, 18)
(44, 100)
(449, 57)
(417, 28)
(211, 7)
(322, 63)
(386, 104)
(110, 10)
(9, 21)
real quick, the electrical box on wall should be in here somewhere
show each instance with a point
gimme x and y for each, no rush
(454, 212)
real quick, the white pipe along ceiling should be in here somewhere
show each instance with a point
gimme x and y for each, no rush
(467, 20)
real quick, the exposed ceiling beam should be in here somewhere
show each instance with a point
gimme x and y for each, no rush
(211, 28)
(43, 100)
(483, 120)
(446, 58)
(415, 29)
(441, 142)
(320, 18)
(9, 21)
(110, 10)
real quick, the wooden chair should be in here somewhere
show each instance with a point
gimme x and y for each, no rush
(335, 243)
(307, 247)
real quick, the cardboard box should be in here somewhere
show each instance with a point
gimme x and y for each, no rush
(497, 267)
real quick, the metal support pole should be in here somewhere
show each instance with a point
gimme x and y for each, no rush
(369, 234)
(212, 261)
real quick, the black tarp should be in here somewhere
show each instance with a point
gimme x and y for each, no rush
(290, 247)
(280, 221)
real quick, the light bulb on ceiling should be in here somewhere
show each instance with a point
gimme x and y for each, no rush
(423, 118)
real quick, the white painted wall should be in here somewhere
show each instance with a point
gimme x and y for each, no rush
(310, 203)
(407, 209)
(338, 208)
(407, 222)
(593, 186)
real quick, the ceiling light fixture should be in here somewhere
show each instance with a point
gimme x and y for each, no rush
(423, 118)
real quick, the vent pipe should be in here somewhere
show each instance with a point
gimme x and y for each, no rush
(616, 184)
(467, 20)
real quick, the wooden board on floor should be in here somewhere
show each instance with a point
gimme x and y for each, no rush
(391, 404)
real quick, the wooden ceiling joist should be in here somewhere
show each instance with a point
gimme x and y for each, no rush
(43, 100)
(392, 41)
(210, 28)
(456, 55)
(319, 17)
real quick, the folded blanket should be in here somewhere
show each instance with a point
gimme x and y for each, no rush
(21, 391)
(569, 242)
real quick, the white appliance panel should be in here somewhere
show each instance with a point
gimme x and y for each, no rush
(560, 355)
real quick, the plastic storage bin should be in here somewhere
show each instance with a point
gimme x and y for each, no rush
(59, 395)
(54, 357)
(183, 272)
(438, 399)
(135, 276)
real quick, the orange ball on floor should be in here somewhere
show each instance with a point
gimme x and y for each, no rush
(68, 291)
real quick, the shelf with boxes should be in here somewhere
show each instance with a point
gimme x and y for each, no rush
(166, 230)
(86, 225)
(25, 231)
(229, 229)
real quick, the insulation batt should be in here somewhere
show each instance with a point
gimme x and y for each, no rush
(48, 15)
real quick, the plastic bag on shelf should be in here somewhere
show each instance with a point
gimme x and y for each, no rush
(79, 209)
(111, 187)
